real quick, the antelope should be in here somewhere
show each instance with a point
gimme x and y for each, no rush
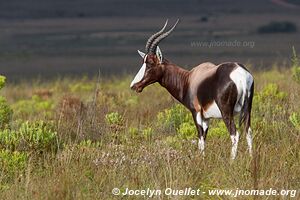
(207, 91)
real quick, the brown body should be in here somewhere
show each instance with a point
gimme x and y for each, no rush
(208, 90)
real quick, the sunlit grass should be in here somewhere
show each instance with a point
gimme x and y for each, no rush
(107, 136)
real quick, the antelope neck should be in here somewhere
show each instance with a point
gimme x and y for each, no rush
(175, 80)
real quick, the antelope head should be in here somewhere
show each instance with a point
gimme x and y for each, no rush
(152, 67)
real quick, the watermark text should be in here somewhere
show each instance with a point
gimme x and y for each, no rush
(148, 192)
(223, 43)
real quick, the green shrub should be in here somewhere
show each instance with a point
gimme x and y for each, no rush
(147, 133)
(9, 139)
(34, 106)
(12, 162)
(271, 92)
(295, 66)
(5, 110)
(278, 27)
(271, 103)
(295, 120)
(5, 113)
(133, 132)
(218, 130)
(2, 81)
(31, 136)
(114, 119)
(39, 135)
(187, 131)
(173, 117)
(82, 87)
(89, 144)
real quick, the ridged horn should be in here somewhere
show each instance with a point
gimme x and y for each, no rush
(154, 36)
(160, 38)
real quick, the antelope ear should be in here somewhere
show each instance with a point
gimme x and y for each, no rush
(141, 54)
(159, 54)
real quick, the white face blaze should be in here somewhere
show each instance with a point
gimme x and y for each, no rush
(140, 75)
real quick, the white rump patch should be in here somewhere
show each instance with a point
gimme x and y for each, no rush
(213, 111)
(249, 140)
(140, 75)
(243, 81)
(235, 141)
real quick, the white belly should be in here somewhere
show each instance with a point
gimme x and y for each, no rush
(212, 112)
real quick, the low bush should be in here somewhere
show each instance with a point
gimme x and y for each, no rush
(218, 130)
(133, 132)
(82, 87)
(187, 131)
(278, 27)
(2, 81)
(271, 103)
(31, 136)
(173, 117)
(5, 113)
(89, 144)
(12, 162)
(9, 139)
(295, 66)
(147, 133)
(36, 106)
(295, 120)
(180, 119)
(38, 136)
(115, 121)
(5, 109)
(271, 92)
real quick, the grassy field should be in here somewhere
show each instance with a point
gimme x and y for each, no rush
(80, 138)
(68, 133)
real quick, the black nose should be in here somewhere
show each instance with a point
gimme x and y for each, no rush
(133, 87)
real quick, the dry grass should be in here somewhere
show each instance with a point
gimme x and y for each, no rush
(123, 159)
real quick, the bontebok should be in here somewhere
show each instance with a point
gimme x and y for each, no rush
(208, 90)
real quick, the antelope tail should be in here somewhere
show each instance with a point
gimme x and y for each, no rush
(246, 104)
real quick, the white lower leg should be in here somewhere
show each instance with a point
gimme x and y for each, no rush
(235, 141)
(249, 140)
(201, 145)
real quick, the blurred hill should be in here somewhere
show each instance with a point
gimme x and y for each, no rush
(60, 37)
(37, 9)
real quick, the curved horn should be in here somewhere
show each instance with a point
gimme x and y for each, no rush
(160, 38)
(154, 36)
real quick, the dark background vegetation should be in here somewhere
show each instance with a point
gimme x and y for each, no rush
(62, 37)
